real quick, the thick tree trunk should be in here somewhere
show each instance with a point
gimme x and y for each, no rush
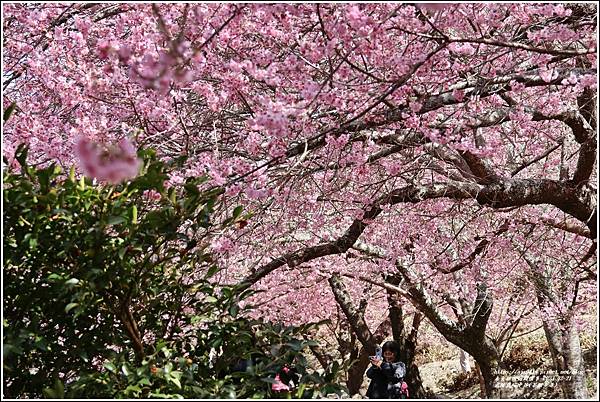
(413, 377)
(481, 381)
(471, 339)
(489, 370)
(356, 373)
(563, 337)
(565, 348)
(406, 340)
(463, 360)
(575, 380)
(486, 358)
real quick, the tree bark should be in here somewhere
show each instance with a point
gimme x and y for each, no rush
(406, 341)
(471, 337)
(463, 360)
(356, 372)
(562, 336)
(489, 366)
(481, 381)
(574, 381)
(131, 327)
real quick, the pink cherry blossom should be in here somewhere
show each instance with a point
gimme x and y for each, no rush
(548, 75)
(112, 164)
(279, 386)
(451, 122)
(222, 244)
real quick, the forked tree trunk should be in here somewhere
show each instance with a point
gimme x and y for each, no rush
(486, 358)
(471, 338)
(369, 340)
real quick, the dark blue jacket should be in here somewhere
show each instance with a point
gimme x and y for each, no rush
(386, 381)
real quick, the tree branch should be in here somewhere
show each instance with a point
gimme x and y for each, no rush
(356, 320)
(505, 193)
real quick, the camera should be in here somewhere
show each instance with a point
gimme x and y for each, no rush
(378, 354)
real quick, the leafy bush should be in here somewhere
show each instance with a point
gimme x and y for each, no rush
(108, 294)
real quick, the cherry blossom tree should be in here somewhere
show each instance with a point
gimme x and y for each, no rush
(423, 138)
(559, 283)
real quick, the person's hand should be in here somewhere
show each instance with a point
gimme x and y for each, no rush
(375, 361)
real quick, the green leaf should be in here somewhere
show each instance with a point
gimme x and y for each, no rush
(54, 277)
(84, 356)
(191, 189)
(8, 349)
(44, 176)
(41, 344)
(214, 193)
(176, 382)
(70, 307)
(227, 292)
(296, 345)
(237, 211)
(59, 389)
(21, 154)
(174, 378)
(110, 367)
(167, 354)
(72, 282)
(115, 220)
(134, 215)
(233, 310)
(144, 381)
(9, 111)
(49, 393)
(134, 389)
(204, 220)
(213, 269)
(300, 391)
(33, 242)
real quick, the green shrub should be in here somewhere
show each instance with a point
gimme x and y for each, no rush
(108, 294)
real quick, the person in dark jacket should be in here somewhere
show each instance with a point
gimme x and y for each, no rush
(387, 374)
